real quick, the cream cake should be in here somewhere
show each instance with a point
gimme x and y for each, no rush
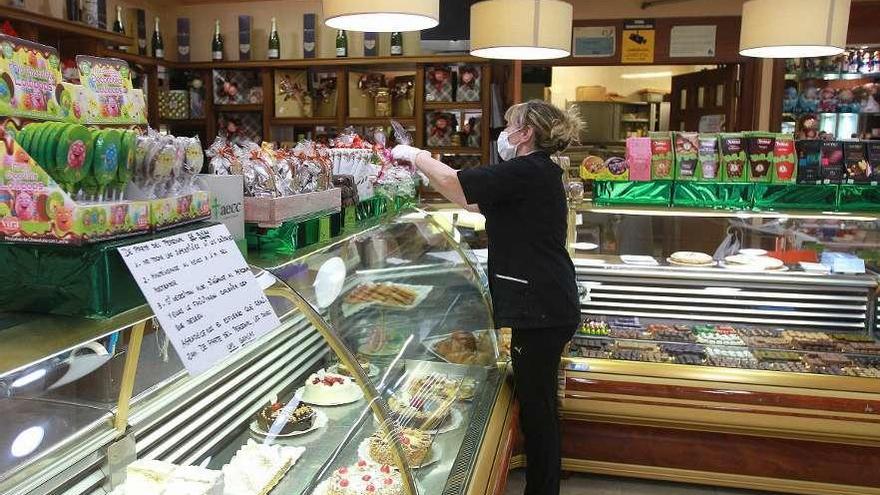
(325, 388)
(365, 478)
(257, 468)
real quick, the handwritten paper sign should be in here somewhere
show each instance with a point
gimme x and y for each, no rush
(206, 298)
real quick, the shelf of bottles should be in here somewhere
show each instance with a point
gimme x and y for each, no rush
(834, 97)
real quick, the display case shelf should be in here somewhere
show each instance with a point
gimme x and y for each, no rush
(453, 105)
(243, 107)
(53, 25)
(303, 121)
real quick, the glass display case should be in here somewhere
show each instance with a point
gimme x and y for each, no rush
(386, 366)
(714, 335)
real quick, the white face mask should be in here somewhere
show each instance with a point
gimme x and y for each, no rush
(506, 150)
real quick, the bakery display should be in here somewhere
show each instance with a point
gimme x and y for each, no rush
(327, 389)
(416, 446)
(256, 468)
(728, 346)
(163, 478)
(364, 478)
(282, 419)
(364, 363)
(433, 385)
(691, 258)
(385, 294)
(461, 347)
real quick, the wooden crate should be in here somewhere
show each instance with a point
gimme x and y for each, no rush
(272, 212)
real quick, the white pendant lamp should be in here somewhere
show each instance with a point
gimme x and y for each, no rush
(382, 16)
(793, 28)
(521, 29)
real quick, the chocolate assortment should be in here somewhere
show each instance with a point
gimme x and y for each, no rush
(726, 346)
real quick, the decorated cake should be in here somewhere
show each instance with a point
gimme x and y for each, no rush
(329, 388)
(161, 478)
(286, 418)
(257, 468)
(365, 478)
(434, 385)
(416, 445)
(420, 412)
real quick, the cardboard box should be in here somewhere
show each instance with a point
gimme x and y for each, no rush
(272, 212)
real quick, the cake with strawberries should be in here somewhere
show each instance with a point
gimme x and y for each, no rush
(416, 445)
(324, 388)
(365, 478)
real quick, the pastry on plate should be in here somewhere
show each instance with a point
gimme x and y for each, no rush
(462, 347)
(385, 294)
(692, 258)
(420, 412)
(416, 445)
(288, 419)
(365, 478)
(324, 388)
(342, 369)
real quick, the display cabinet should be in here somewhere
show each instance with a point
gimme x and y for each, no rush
(400, 308)
(721, 374)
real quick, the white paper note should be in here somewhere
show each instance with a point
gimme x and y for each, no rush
(692, 41)
(202, 291)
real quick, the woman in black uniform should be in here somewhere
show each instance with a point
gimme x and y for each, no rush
(531, 276)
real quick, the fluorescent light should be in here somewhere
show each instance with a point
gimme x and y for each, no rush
(381, 15)
(27, 441)
(29, 378)
(647, 75)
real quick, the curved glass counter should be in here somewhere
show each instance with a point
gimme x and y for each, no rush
(400, 307)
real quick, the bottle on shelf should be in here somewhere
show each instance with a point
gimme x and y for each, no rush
(396, 43)
(158, 45)
(341, 43)
(119, 27)
(274, 51)
(217, 43)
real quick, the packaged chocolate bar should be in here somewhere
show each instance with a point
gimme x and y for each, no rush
(855, 158)
(708, 157)
(734, 161)
(784, 159)
(687, 145)
(662, 156)
(832, 162)
(638, 158)
(809, 161)
(759, 146)
(873, 151)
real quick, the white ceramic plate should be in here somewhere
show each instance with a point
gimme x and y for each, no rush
(584, 246)
(633, 259)
(676, 263)
(753, 252)
(433, 456)
(320, 422)
(299, 393)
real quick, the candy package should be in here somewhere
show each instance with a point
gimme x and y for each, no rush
(760, 149)
(809, 161)
(734, 161)
(638, 158)
(784, 159)
(708, 157)
(662, 156)
(855, 156)
(687, 145)
(832, 162)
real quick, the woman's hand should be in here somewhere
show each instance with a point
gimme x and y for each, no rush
(405, 153)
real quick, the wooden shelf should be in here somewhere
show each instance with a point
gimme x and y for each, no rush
(332, 62)
(244, 107)
(406, 121)
(54, 25)
(455, 150)
(183, 122)
(453, 105)
(303, 121)
(133, 58)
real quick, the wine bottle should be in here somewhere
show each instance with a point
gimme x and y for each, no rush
(158, 45)
(341, 43)
(119, 27)
(397, 43)
(274, 42)
(217, 43)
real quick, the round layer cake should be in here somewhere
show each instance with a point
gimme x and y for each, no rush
(330, 388)
(288, 419)
(416, 445)
(424, 412)
(365, 478)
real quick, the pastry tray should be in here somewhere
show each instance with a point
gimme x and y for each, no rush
(430, 342)
(422, 292)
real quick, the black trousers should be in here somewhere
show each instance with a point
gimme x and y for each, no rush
(536, 354)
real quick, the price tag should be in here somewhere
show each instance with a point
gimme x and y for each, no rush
(202, 292)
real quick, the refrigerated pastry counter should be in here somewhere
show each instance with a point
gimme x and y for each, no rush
(83, 400)
(761, 380)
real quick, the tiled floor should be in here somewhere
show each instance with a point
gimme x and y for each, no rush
(584, 484)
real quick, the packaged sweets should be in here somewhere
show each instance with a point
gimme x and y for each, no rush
(638, 158)
(873, 152)
(809, 161)
(687, 145)
(832, 162)
(760, 149)
(597, 168)
(855, 158)
(662, 157)
(784, 159)
(708, 157)
(734, 162)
